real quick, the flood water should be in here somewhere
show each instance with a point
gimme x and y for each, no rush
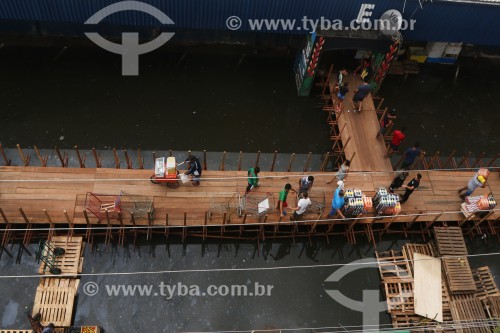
(219, 98)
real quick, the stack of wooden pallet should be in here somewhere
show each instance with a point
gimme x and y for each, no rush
(55, 297)
(467, 294)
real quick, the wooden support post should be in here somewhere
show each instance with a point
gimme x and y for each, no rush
(7, 235)
(477, 223)
(437, 159)
(425, 166)
(117, 160)
(223, 161)
(383, 114)
(167, 229)
(80, 160)
(184, 231)
(132, 219)
(141, 160)
(154, 157)
(493, 159)
(63, 158)
(451, 161)
(479, 161)
(291, 162)
(409, 224)
(150, 223)
(121, 232)
(325, 162)
(25, 159)
(88, 231)
(170, 153)
(430, 224)
(308, 160)
(51, 225)
(128, 161)
(204, 229)
(239, 160)
(189, 153)
(109, 236)
(6, 161)
(380, 104)
(400, 161)
(342, 151)
(97, 158)
(204, 160)
(242, 226)
(43, 160)
(71, 230)
(465, 160)
(257, 160)
(274, 160)
(223, 228)
(387, 226)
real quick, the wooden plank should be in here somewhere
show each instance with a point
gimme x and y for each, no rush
(428, 289)
(399, 297)
(70, 261)
(55, 304)
(492, 305)
(459, 275)
(485, 283)
(410, 249)
(468, 310)
(393, 266)
(450, 241)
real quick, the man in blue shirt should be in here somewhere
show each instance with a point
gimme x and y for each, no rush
(359, 96)
(337, 203)
(411, 155)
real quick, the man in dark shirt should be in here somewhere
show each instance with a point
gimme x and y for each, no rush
(410, 187)
(194, 169)
(359, 96)
(411, 154)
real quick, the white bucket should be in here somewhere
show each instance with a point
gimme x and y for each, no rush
(184, 178)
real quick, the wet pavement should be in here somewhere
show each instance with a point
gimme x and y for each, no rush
(220, 98)
(298, 297)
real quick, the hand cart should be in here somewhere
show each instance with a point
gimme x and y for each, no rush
(166, 173)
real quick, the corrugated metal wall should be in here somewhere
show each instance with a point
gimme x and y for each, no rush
(437, 21)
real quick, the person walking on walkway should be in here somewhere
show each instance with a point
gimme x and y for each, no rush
(397, 137)
(410, 187)
(359, 96)
(194, 169)
(474, 182)
(302, 206)
(253, 179)
(337, 203)
(411, 154)
(282, 204)
(342, 172)
(398, 181)
(306, 184)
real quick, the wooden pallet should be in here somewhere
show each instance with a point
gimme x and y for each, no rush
(492, 306)
(459, 275)
(404, 320)
(485, 283)
(468, 310)
(399, 297)
(393, 266)
(409, 249)
(55, 304)
(71, 262)
(57, 282)
(450, 241)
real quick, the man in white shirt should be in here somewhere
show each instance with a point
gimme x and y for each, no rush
(301, 207)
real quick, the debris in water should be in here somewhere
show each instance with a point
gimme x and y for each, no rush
(61, 137)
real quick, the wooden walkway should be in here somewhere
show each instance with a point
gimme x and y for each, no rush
(58, 189)
(361, 131)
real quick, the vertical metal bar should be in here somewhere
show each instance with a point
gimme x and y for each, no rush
(71, 226)
(291, 162)
(274, 160)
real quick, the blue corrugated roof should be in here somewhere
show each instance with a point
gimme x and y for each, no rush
(446, 21)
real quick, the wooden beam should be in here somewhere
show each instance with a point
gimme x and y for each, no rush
(239, 160)
(291, 162)
(128, 161)
(223, 161)
(117, 160)
(274, 160)
(80, 160)
(25, 159)
(140, 159)
(204, 160)
(257, 160)
(308, 160)
(62, 158)
(97, 159)
(43, 160)
(6, 161)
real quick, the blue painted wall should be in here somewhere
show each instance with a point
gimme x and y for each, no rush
(437, 21)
